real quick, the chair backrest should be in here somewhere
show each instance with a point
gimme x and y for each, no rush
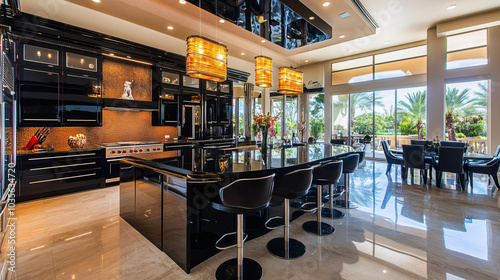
(453, 144)
(294, 184)
(420, 142)
(497, 152)
(413, 156)
(451, 159)
(337, 141)
(330, 172)
(248, 193)
(350, 163)
(387, 153)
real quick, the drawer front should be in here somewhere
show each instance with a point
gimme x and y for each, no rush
(59, 181)
(54, 163)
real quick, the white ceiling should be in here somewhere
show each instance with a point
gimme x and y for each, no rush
(401, 22)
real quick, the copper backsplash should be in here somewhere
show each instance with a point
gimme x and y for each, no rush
(116, 72)
(117, 126)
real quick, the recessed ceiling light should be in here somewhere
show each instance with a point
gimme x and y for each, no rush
(242, 53)
(326, 4)
(263, 41)
(182, 1)
(222, 21)
(128, 56)
(387, 42)
(97, 1)
(349, 51)
(450, 7)
(170, 27)
(307, 60)
(112, 54)
(342, 36)
(311, 18)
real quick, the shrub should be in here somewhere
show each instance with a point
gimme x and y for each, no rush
(460, 135)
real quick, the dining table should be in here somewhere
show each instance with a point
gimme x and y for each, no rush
(433, 154)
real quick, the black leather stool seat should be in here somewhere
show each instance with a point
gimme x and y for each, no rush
(351, 163)
(326, 174)
(290, 186)
(243, 196)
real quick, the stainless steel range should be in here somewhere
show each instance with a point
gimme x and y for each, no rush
(119, 150)
(122, 149)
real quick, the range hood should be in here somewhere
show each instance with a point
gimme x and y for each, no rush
(129, 105)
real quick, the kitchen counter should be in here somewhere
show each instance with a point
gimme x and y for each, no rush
(87, 147)
(166, 196)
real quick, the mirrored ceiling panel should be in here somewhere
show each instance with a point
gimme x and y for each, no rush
(270, 19)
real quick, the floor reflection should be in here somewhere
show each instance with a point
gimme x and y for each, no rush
(402, 230)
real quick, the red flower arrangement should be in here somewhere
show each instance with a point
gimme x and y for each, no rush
(264, 123)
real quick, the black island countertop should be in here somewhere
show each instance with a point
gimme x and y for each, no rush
(167, 196)
(198, 161)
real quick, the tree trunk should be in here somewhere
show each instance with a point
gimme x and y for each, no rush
(420, 128)
(450, 126)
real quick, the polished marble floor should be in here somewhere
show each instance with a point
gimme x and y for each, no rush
(400, 231)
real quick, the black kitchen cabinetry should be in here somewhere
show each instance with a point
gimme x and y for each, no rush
(47, 174)
(166, 91)
(57, 89)
(218, 105)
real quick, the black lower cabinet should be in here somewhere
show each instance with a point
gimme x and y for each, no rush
(48, 174)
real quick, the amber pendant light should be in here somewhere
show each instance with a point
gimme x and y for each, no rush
(206, 59)
(290, 81)
(263, 71)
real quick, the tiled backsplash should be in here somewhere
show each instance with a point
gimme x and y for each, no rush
(116, 72)
(117, 126)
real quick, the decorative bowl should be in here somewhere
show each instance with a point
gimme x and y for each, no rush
(77, 142)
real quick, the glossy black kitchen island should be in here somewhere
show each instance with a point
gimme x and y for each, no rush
(166, 196)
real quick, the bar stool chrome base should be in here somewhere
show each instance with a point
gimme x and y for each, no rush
(332, 213)
(276, 247)
(341, 203)
(229, 270)
(318, 229)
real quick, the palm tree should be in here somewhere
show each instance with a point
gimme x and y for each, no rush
(362, 101)
(481, 96)
(414, 109)
(457, 103)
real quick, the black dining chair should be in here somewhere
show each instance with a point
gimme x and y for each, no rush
(338, 141)
(391, 158)
(453, 144)
(420, 142)
(489, 168)
(450, 159)
(413, 157)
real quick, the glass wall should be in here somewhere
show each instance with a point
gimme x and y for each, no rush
(317, 116)
(277, 108)
(395, 115)
(467, 114)
(291, 115)
(467, 50)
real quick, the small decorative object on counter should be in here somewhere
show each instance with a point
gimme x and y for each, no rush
(77, 142)
(263, 124)
(38, 138)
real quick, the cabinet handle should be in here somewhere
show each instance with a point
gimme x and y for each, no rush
(59, 166)
(80, 120)
(42, 120)
(63, 178)
(79, 155)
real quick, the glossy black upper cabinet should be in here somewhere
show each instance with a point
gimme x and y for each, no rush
(81, 88)
(81, 100)
(39, 98)
(166, 91)
(58, 88)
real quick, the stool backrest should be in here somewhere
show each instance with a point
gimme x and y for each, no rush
(330, 172)
(451, 159)
(350, 163)
(248, 193)
(295, 183)
(413, 156)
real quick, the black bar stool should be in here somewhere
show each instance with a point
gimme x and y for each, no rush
(243, 196)
(290, 186)
(350, 165)
(326, 174)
